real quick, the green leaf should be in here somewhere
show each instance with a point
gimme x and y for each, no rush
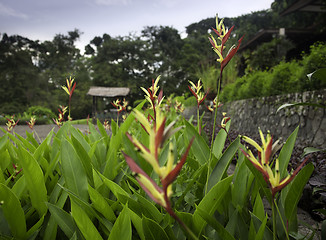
(309, 150)
(223, 164)
(3, 142)
(199, 147)
(115, 188)
(258, 209)
(221, 231)
(34, 180)
(110, 170)
(13, 212)
(35, 228)
(211, 201)
(30, 138)
(63, 219)
(122, 226)
(73, 171)
(239, 194)
(286, 152)
(19, 187)
(137, 222)
(84, 157)
(295, 191)
(260, 180)
(100, 204)
(260, 233)
(153, 230)
(26, 143)
(219, 141)
(319, 74)
(286, 105)
(84, 223)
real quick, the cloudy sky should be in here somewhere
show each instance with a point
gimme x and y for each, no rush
(42, 19)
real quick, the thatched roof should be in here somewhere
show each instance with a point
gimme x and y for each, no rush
(108, 91)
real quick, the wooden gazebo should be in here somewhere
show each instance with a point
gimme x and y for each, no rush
(109, 92)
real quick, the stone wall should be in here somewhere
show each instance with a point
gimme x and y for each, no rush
(247, 115)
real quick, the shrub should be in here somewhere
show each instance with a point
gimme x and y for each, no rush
(284, 78)
(311, 62)
(43, 114)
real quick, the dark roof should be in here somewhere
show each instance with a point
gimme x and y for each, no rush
(305, 5)
(108, 91)
(266, 35)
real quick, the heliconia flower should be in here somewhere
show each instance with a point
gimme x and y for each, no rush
(195, 90)
(179, 106)
(168, 173)
(31, 122)
(69, 89)
(62, 112)
(120, 107)
(11, 123)
(224, 121)
(106, 125)
(214, 105)
(223, 36)
(57, 122)
(150, 93)
(263, 163)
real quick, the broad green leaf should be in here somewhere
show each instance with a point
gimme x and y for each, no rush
(13, 212)
(222, 232)
(193, 179)
(33, 230)
(309, 150)
(19, 187)
(115, 188)
(3, 142)
(63, 219)
(199, 147)
(223, 164)
(30, 138)
(268, 234)
(153, 230)
(286, 152)
(73, 171)
(239, 196)
(34, 180)
(149, 208)
(100, 204)
(295, 191)
(219, 141)
(102, 129)
(258, 209)
(26, 143)
(211, 201)
(260, 180)
(260, 233)
(122, 226)
(137, 222)
(110, 171)
(319, 74)
(84, 223)
(286, 105)
(84, 157)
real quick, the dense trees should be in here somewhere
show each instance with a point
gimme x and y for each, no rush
(32, 72)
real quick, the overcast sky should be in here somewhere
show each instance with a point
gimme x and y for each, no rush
(42, 19)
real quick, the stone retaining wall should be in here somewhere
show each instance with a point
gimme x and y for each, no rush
(247, 115)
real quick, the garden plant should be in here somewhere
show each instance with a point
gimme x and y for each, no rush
(152, 176)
